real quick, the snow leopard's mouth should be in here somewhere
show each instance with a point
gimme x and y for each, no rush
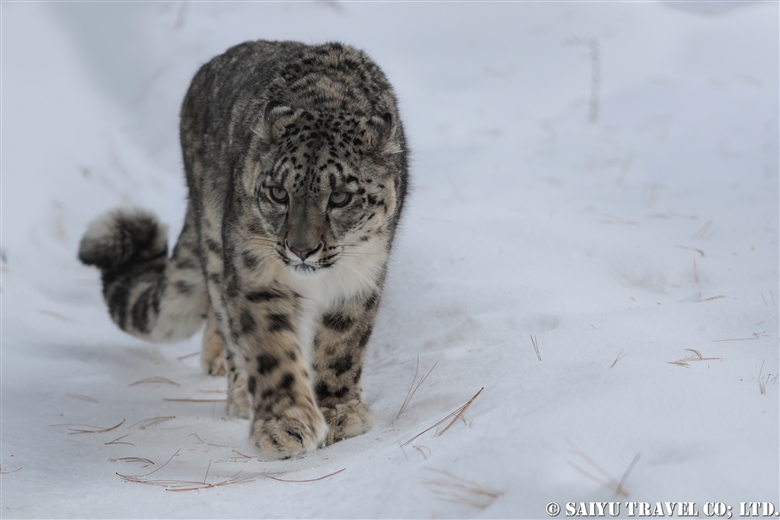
(309, 266)
(304, 268)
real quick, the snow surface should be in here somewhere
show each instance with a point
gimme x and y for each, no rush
(620, 245)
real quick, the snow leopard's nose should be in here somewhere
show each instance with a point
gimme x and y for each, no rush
(304, 253)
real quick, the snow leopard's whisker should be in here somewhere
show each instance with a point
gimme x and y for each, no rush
(368, 282)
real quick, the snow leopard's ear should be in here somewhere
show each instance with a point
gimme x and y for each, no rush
(276, 117)
(377, 136)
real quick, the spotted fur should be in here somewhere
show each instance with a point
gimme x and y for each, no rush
(296, 165)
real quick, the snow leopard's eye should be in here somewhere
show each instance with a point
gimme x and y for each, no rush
(278, 195)
(339, 199)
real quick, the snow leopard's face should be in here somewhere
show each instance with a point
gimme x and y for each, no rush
(322, 191)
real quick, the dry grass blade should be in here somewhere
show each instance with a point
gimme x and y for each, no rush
(763, 380)
(612, 219)
(55, 315)
(155, 379)
(460, 413)
(692, 249)
(536, 347)
(756, 335)
(151, 423)
(699, 299)
(425, 451)
(131, 459)
(6, 472)
(118, 439)
(606, 479)
(182, 358)
(451, 488)
(697, 357)
(413, 389)
(186, 485)
(619, 489)
(307, 480)
(706, 231)
(618, 358)
(187, 400)
(453, 415)
(197, 485)
(399, 443)
(95, 429)
(82, 397)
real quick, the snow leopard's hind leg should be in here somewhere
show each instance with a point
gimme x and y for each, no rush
(212, 354)
(149, 295)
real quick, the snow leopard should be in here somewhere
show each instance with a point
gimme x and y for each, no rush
(297, 170)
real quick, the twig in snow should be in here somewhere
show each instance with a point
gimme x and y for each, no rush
(618, 358)
(536, 347)
(156, 379)
(307, 480)
(454, 416)
(452, 488)
(182, 358)
(413, 389)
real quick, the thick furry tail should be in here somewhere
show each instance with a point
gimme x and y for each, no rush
(149, 295)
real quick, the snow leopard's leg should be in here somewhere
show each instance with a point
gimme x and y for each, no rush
(218, 331)
(265, 328)
(212, 354)
(339, 349)
(149, 295)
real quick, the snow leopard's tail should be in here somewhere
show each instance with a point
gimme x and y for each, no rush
(149, 295)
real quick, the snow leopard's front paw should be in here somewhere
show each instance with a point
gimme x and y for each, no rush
(297, 431)
(347, 420)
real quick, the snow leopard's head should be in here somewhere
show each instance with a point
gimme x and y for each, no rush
(327, 186)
